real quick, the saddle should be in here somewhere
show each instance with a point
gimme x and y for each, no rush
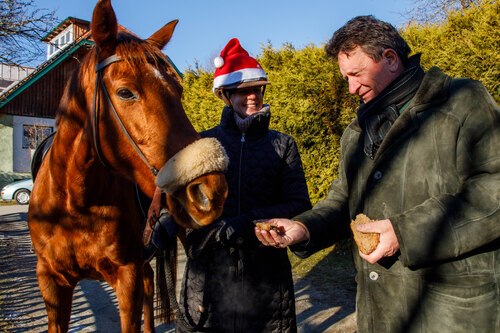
(40, 152)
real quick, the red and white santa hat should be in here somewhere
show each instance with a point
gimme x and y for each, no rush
(235, 68)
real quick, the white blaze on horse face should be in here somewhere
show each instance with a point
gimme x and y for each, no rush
(157, 73)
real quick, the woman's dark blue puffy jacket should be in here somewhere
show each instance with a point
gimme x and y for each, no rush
(232, 283)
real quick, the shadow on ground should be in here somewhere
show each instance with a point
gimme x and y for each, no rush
(325, 296)
(21, 305)
(323, 305)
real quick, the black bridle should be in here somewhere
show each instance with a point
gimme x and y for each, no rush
(99, 83)
(185, 321)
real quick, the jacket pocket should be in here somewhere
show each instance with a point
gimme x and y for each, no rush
(453, 308)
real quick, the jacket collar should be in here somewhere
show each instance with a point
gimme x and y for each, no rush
(259, 126)
(433, 91)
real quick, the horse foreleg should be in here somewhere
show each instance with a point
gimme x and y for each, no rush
(57, 300)
(148, 305)
(129, 291)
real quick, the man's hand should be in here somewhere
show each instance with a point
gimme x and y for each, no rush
(285, 233)
(388, 244)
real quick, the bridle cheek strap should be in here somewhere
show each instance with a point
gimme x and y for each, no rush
(99, 83)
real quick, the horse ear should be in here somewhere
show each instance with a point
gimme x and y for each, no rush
(163, 35)
(104, 28)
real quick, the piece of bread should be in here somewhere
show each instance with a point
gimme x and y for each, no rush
(367, 242)
(265, 226)
(268, 227)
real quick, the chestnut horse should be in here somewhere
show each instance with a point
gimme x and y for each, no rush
(120, 120)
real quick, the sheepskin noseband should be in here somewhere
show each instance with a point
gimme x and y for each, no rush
(200, 157)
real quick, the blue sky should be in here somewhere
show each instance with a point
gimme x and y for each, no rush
(205, 26)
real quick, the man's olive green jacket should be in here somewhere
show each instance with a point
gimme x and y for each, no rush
(436, 176)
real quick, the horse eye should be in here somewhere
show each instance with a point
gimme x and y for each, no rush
(126, 94)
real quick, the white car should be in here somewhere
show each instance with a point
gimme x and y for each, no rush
(19, 191)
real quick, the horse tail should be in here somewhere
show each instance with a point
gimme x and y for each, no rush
(166, 273)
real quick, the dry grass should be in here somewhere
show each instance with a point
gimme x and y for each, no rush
(331, 265)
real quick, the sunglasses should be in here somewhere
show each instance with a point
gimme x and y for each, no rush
(246, 91)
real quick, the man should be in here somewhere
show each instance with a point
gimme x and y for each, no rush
(422, 160)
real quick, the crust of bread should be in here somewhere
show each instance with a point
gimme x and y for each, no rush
(266, 226)
(367, 242)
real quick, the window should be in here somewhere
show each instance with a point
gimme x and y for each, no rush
(65, 37)
(4, 83)
(34, 134)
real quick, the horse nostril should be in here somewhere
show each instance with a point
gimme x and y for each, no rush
(197, 195)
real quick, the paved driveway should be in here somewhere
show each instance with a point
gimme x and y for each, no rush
(319, 308)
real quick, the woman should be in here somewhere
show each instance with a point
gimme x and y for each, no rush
(231, 282)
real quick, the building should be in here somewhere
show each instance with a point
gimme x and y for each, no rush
(10, 75)
(29, 97)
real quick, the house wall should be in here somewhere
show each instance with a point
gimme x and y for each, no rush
(29, 106)
(41, 97)
(10, 75)
(22, 155)
(6, 151)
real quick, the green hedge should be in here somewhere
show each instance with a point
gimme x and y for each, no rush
(467, 44)
(309, 99)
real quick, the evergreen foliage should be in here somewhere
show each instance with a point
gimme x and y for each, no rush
(465, 44)
(310, 101)
(202, 107)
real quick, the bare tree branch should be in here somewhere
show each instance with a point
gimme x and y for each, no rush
(22, 25)
(433, 11)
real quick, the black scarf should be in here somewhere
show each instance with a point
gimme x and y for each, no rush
(377, 116)
(244, 123)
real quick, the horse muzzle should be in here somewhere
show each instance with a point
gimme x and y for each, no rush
(194, 182)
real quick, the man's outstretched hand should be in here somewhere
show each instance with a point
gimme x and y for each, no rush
(281, 233)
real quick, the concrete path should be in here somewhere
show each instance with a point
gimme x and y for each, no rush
(319, 308)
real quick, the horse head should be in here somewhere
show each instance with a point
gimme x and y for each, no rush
(136, 100)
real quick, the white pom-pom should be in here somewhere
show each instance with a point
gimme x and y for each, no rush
(218, 62)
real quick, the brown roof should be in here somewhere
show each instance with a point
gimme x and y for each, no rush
(63, 25)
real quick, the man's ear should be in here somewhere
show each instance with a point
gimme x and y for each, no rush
(392, 60)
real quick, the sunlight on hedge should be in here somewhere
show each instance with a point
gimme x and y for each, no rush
(309, 99)
(466, 44)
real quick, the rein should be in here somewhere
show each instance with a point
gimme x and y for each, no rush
(184, 320)
(99, 83)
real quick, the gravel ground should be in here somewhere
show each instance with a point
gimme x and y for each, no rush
(321, 307)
